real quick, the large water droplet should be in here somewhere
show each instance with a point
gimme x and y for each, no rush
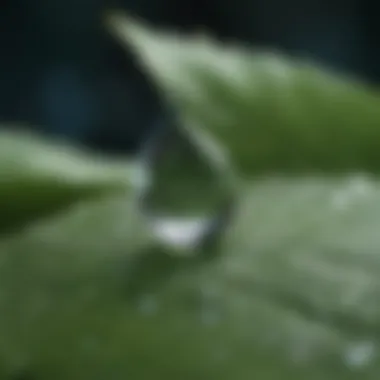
(186, 197)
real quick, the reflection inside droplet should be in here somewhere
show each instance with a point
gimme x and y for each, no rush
(181, 233)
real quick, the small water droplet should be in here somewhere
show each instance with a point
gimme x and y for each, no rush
(360, 354)
(147, 305)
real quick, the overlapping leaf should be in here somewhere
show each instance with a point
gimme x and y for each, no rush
(272, 112)
(39, 178)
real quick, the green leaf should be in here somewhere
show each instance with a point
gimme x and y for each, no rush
(40, 177)
(294, 295)
(89, 294)
(272, 112)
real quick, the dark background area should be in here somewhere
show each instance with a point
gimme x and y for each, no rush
(61, 73)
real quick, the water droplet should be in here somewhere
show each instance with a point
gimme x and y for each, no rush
(360, 354)
(187, 188)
